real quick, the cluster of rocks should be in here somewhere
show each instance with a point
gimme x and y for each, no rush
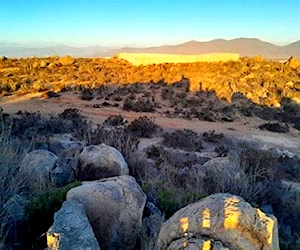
(109, 210)
(263, 82)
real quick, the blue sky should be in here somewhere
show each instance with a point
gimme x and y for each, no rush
(146, 22)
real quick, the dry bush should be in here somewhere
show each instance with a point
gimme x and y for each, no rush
(185, 139)
(140, 105)
(275, 127)
(29, 125)
(168, 187)
(143, 127)
(10, 154)
(10, 183)
(115, 137)
(87, 95)
(212, 136)
(115, 120)
(70, 113)
(169, 177)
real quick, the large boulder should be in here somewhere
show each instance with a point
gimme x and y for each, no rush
(37, 166)
(114, 207)
(42, 169)
(71, 229)
(101, 161)
(220, 217)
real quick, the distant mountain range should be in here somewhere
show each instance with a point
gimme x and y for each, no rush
(243, 46)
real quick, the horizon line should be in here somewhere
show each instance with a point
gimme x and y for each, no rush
(43, 44)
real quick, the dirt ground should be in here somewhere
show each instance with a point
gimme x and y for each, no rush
(245, 129)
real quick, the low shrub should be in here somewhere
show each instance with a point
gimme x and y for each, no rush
(185, 139)
(87, 95)
(115, 137)
(143, 127)
(115, 120)
(167, 93)
(275, 127)
(221, 150)
(70, 113)
(211, 136)
(141, 105)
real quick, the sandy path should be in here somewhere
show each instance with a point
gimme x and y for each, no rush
(246, 129)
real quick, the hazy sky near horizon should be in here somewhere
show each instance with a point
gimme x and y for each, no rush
(146, 22)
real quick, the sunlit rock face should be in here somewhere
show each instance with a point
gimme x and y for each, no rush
(220, 221)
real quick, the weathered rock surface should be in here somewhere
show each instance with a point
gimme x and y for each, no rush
(41, 169)
(65, 171)
(14, 224)
(37, 166)
(152, 221)
(71, 229)
(223, 165)
(220, 217)
(101, 161)
(65, 145)
(114, 207)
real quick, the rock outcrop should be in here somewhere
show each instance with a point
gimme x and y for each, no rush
(261, 81)
(219, 221)
(71, 229)
(114, 207)
(66, 60)
(101, 161)
(293, 62)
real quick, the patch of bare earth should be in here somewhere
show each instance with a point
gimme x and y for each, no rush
(244, 129)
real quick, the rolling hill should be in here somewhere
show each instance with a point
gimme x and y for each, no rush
(242, 46)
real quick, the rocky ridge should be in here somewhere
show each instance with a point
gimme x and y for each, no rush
(262, 81)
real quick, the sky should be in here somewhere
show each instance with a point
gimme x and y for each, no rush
(146, 22)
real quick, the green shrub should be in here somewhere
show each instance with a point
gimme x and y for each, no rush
(169, 198)
(41, 208)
